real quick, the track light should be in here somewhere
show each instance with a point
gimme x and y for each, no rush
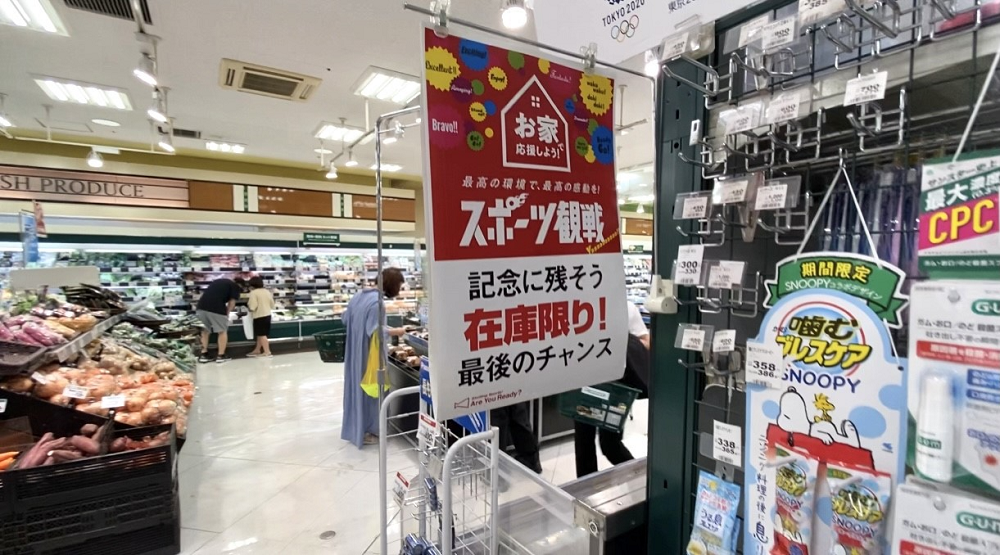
(166, 142)
(351, 162)
(95, 160)
(158, 111)
(513, 13)
(640, 210)
(146, 70)
(332, 173)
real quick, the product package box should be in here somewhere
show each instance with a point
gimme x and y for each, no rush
(954, 383)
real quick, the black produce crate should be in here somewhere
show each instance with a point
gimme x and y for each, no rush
(119, 503)
(45, 416)
(17, 358)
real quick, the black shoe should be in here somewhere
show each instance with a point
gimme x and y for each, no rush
(223, 359)
(204, 358)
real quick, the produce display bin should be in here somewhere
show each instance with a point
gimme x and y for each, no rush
(605, 406)
(16, 358)
(332, 345)
(117, 503)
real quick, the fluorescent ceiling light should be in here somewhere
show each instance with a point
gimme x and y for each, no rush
(95, 160)
(38, 15)
(106, 122)
(389, 168)
(219, 146)
(514, 14)
(335, 132)
(390, 86)
(88, 94)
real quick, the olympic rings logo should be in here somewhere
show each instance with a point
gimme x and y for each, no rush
(626, 29)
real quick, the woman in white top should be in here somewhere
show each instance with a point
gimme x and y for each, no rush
(261, 303)
(636, 326)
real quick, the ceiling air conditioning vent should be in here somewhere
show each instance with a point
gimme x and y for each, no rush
(266, 81)
(121, 9)
(186, 133)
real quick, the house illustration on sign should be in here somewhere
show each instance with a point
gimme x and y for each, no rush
(534, 132)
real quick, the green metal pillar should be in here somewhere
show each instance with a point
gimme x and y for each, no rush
(672, 392)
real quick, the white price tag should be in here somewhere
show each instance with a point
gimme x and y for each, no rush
(3, 406)
(731, 191)
(771, 197)
(765, 365)
(724, 341)
(726, 274)
(689, 260)
(674, 46)
(751, 30)
(784, 108)
(400, 486)
(811, 11)
(113, 401)
(866, 88)
(76, 392)
(695, 208)
(742, 119)
(779, 33)
(39, 378)
(427, 429)
(727, 444)
(692, 339)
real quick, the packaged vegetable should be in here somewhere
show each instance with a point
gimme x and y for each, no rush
(795, 494)
(715, 529)
(860, 499)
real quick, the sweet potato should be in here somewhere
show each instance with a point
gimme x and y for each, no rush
(35, 456)
(118, 445)
(85, 444)
(65, 455)
(88, 429)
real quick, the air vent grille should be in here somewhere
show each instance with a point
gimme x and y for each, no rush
(186, 133)
(120, 9)
(266, 81)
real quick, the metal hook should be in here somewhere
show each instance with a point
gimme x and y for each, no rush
(711, 76)
(874, 21)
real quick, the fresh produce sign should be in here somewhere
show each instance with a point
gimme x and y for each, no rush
(960, 217)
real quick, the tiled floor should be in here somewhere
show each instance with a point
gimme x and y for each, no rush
(264, 470)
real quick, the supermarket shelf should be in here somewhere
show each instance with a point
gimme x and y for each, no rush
(76, 345)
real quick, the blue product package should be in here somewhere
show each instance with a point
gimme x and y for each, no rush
(432, 493)
(715, 517)
(414, 545)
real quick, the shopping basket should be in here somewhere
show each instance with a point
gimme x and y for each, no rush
(605, 405)
(332, 344)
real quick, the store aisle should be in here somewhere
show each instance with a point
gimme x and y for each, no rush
(264, 469)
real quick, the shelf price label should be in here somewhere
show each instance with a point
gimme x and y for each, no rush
(3, 406)
(784, 107)
(811, 11)
(779, 33)
(113, 401)
(742, 119)
(689, 261)
(695, 207)
(692, 339)
(730, 191)
(76, 392)
(727, 443)
(400, 486)
(764, 365)
(675, 46)
(866, 88)
(40, 378)
(772, 197)
(726, 274)
(724, 341)
(751, 31)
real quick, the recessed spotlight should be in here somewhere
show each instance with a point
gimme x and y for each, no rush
(105, 122)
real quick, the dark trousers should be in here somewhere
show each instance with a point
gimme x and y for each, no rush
(586, 450)
(514, 422)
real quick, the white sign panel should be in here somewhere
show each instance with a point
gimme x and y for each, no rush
(621, 28)
(524, 237)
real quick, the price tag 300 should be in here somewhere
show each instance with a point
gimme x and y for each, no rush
(689, 261)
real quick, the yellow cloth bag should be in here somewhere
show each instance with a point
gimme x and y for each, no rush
(369, 382)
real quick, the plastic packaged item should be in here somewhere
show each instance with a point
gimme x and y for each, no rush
(715, 530)
(432, 494)
(795, 494)
(414, 545)
(935, 441)
(860, 499)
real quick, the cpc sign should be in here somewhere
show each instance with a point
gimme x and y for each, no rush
(961, 222)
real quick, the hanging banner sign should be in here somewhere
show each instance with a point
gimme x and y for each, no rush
(840, 403)
(524, 238)
(876, 283)
(39, 219)
(621, 28)
(960, 217)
